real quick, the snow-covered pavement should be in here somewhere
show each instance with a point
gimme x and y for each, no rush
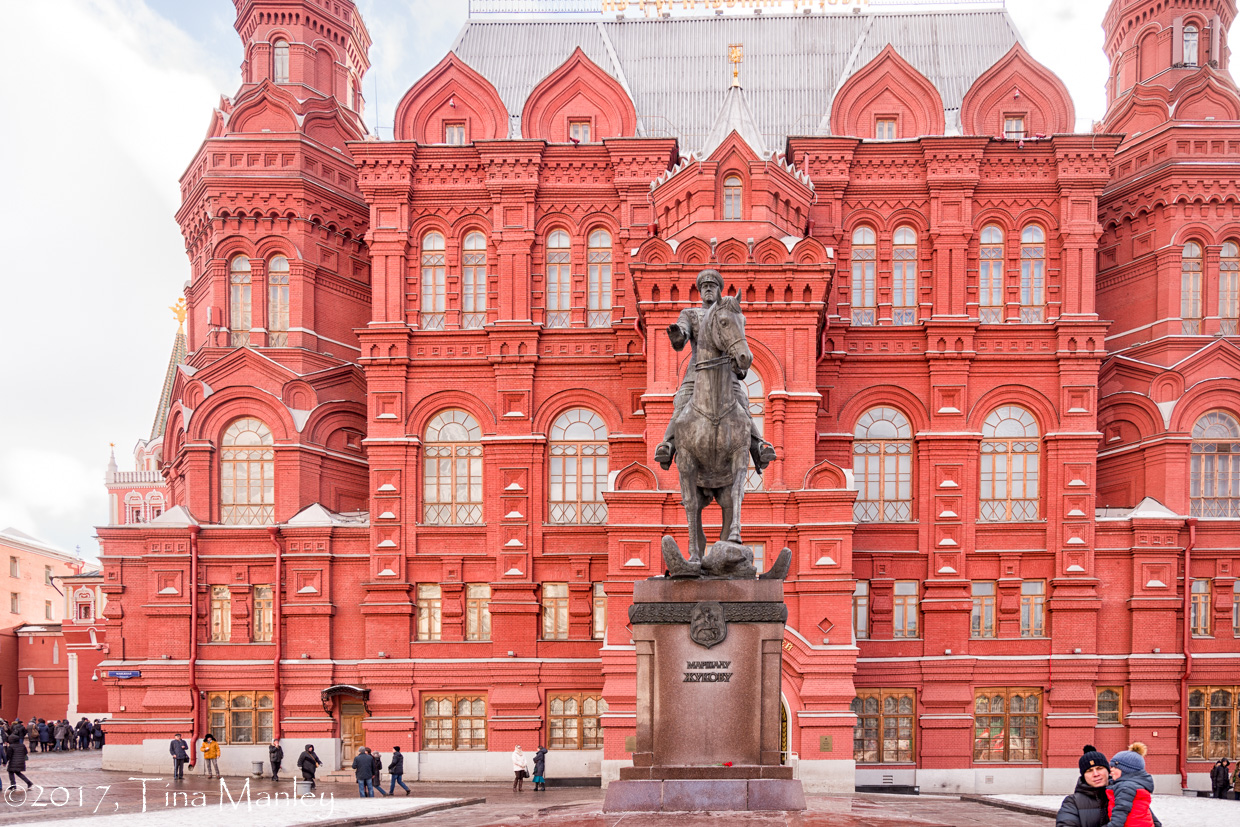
(1172, 810)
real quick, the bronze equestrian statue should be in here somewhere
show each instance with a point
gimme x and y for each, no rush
(712, 436)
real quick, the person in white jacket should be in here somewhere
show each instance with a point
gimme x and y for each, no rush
(520, 769)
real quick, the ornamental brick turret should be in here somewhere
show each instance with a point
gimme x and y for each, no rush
(1161, 41)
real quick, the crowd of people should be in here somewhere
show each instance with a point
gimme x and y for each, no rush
(43, 736)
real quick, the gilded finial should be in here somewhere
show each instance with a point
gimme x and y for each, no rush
(179, 310)
(736, 53)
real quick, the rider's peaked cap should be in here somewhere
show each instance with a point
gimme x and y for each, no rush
(710, 275)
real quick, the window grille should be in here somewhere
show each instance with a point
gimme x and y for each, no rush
(990, 276)
(247, 474)
(1032, 275)
(864, 256)
(1007, 724)
(904, 276)
(579, 467)
(1214, 470)
(559, 280)
(1009, 468)
(883, 467)
(598, 257)
(239, 302)
(452, 479)
(454, 722)
(1014, 127)
(474, 282)
(277, 302)
(884, 729)
(1190, 289)
(433, 282)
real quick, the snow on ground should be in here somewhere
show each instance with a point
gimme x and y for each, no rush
(208, 810)
(1172, 810)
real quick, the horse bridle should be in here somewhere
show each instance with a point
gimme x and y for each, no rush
(721, 360)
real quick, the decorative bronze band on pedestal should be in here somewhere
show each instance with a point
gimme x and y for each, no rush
(732, 612)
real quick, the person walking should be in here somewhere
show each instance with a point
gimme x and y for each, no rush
(520, 769)
(275, 754)
(540, 769)
(211, 755)
(396, 769)
(1131, 790)
(377, 781)
(1087, 805)
(96, 733)
(17, 763)
(307, 762)
(179, 750)
(364, 772)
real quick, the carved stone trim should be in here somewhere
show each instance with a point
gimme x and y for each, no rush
(732, 612)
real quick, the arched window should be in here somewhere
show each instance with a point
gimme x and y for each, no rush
(864, 254)
(559, 281)
(732, 198)
(452, 483)
(1190, 289)
(279, 61)
(883, 467)
(1229, 288)
(239, 301)
(1214, 480)
(247, 474)
(1190, 46)
(1032, 274)
(277, 302)
(474, 282)
(1010, 456)
(155, 504)
(433, 282)
(904, 276)
(578, 468)
(599, 276)
(756, 392)
(990, 276)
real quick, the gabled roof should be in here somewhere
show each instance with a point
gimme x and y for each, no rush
(735, 116)
(678, 74)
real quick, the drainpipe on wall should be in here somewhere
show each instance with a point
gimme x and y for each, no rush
(276, 627)
(193, 641)
(1188, 650)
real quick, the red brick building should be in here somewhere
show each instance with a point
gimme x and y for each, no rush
(411, 448)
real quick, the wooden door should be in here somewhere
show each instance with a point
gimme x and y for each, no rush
(351, 736)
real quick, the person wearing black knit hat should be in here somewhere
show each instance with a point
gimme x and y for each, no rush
(1087, 806)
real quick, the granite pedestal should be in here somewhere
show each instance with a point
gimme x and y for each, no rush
(708, 688)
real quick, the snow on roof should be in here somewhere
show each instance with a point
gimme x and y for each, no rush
(316, 514)
(1148, 508)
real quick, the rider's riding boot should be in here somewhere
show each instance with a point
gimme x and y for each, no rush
(762, 453)
(663, 454)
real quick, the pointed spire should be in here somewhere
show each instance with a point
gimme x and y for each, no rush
(111, 476)
(734, 116)
(177, 358)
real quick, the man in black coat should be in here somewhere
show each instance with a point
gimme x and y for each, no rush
(377, 780)
(364, 772)
(1088, 805)
(396, 769)
(1220, 777)
(17, 763)
(179, 750)
(307, 762)
(275, 754)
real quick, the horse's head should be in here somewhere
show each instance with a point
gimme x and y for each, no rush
(726, 329)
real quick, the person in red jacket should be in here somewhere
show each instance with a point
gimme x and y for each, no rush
(1131, 790)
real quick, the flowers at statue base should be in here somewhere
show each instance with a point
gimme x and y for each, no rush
(724, 764)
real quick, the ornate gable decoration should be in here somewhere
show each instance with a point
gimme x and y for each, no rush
(1205, 94)
(270, 107)
(888, 87)
(1017, 86)
(1141, 109)
(451, 94)
(578, 91)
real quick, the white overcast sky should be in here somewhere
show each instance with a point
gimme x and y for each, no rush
(106, 102)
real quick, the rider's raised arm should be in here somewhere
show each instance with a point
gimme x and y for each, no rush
(682, 331)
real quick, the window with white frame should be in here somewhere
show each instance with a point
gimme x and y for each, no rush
(885, 129)
(1190, 289)
(559, 280)
(434, 285)
(1191, 45)
(430, 611)
(247, 474)
(598, 278)
(982, 619)
(904, 608)
(579, 131)
(277, 302)
(755, 392)
(579, 466)
(1033, 274)
(555, 611)
(1033, 608)
(1014, 127)
(904, 276)
(452, 482)
(239, 301)
(1214, 470)
(454, 133)
(883, 467)
(732, 190)
(861, 610)
(1229, 288)
(864, 258)
(598, 612)
(279, 61)
(990, 276)
(477, 611)
(1010, 465)
(474, 282)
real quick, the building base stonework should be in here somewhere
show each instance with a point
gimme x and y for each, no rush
(708, 693)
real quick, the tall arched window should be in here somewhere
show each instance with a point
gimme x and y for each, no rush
(1190, 46)
(247, 474)
(1190, 289)
(756, 392)
(904, 276)
(239, 301)
(1010, 457)
(559, 281)
(732, 198)
(599, 277)
(1229, 288)
(474, 282)
(279, 61)
(277, 302)
(579, 468)
(990, 276)
(1032, 274)
(864, 254)
(433, 282)
(1214, 480)
(883, 467)
(452, 482)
